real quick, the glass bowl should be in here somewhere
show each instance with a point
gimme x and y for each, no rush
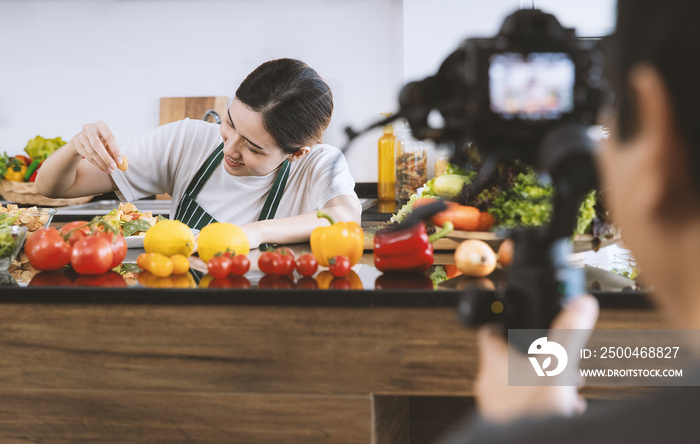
(33, 218)
(11, 240)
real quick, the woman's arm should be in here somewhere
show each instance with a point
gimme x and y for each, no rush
(295, 229)
(82, 166)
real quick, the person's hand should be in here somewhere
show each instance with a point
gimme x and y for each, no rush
(97, 145)
(498, 402)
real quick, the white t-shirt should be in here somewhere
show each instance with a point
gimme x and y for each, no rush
(166, 159)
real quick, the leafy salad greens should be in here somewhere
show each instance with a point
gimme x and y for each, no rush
(514, 195)
(7, 241)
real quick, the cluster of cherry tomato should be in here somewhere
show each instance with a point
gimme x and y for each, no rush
(160, 265)
(282, 262)
(220, 266)
(87, 249)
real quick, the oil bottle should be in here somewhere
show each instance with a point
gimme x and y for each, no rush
(386, 174)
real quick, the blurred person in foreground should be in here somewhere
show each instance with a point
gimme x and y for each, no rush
(650, 168)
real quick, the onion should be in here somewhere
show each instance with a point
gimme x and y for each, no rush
(475, 258)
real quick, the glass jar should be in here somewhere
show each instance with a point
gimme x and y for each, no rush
(442, 159)
(411, 167)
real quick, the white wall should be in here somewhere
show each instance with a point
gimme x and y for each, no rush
(64, 63)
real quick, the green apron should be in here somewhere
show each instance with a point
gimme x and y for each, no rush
(190, 213)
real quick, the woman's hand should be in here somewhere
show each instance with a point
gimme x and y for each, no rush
(500, 403)
(97, 144)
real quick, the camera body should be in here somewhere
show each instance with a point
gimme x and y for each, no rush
(504, 93)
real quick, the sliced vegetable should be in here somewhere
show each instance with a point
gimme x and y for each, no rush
(135, 226)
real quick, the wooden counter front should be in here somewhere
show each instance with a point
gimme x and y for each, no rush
(143, 365)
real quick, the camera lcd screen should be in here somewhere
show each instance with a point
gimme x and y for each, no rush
(534, 86)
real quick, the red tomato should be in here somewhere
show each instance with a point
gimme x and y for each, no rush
(219, 266)
(50, 279)
(79, 232)
(46, 250)
(269, 262)
(109, 279)
(286, 264)
(307, 264)
(118, 245)
(92, 255)
(339, 266)
(307, 283)
(240, 264)
(285, 251)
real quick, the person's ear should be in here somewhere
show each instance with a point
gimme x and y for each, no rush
(663, 168)
(298, 154)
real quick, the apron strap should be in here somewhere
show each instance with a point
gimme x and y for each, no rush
(275, 195)
(205, 171)
(190, 213)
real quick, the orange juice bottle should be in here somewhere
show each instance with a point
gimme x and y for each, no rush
(386, 175)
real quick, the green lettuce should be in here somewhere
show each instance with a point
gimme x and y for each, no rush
(526, 204)
(40, 148)
(586, 214)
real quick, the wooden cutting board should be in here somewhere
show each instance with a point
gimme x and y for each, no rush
(451, 241)
(177, 108)
(173, 109)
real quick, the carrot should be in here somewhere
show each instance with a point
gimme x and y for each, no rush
(486, 221)
(462, 216)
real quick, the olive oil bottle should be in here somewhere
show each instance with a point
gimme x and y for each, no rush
(386, 174)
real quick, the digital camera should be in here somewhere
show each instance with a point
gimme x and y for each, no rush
(506, 92)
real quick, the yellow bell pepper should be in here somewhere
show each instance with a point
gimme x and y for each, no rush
(15, 171)
(342, 238)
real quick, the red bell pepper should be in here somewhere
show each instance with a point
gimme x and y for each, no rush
(407, 247)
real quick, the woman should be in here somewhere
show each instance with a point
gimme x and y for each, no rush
(264, 168)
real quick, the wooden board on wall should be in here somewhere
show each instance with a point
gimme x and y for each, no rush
(173, 109)
(177, 108)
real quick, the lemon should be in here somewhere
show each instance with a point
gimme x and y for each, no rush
(169, 237)
(220, 237)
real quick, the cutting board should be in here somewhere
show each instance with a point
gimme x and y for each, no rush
(173, 109)
(452, 240)
(178, 108)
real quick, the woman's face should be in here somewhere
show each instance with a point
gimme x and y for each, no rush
(249, 150)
